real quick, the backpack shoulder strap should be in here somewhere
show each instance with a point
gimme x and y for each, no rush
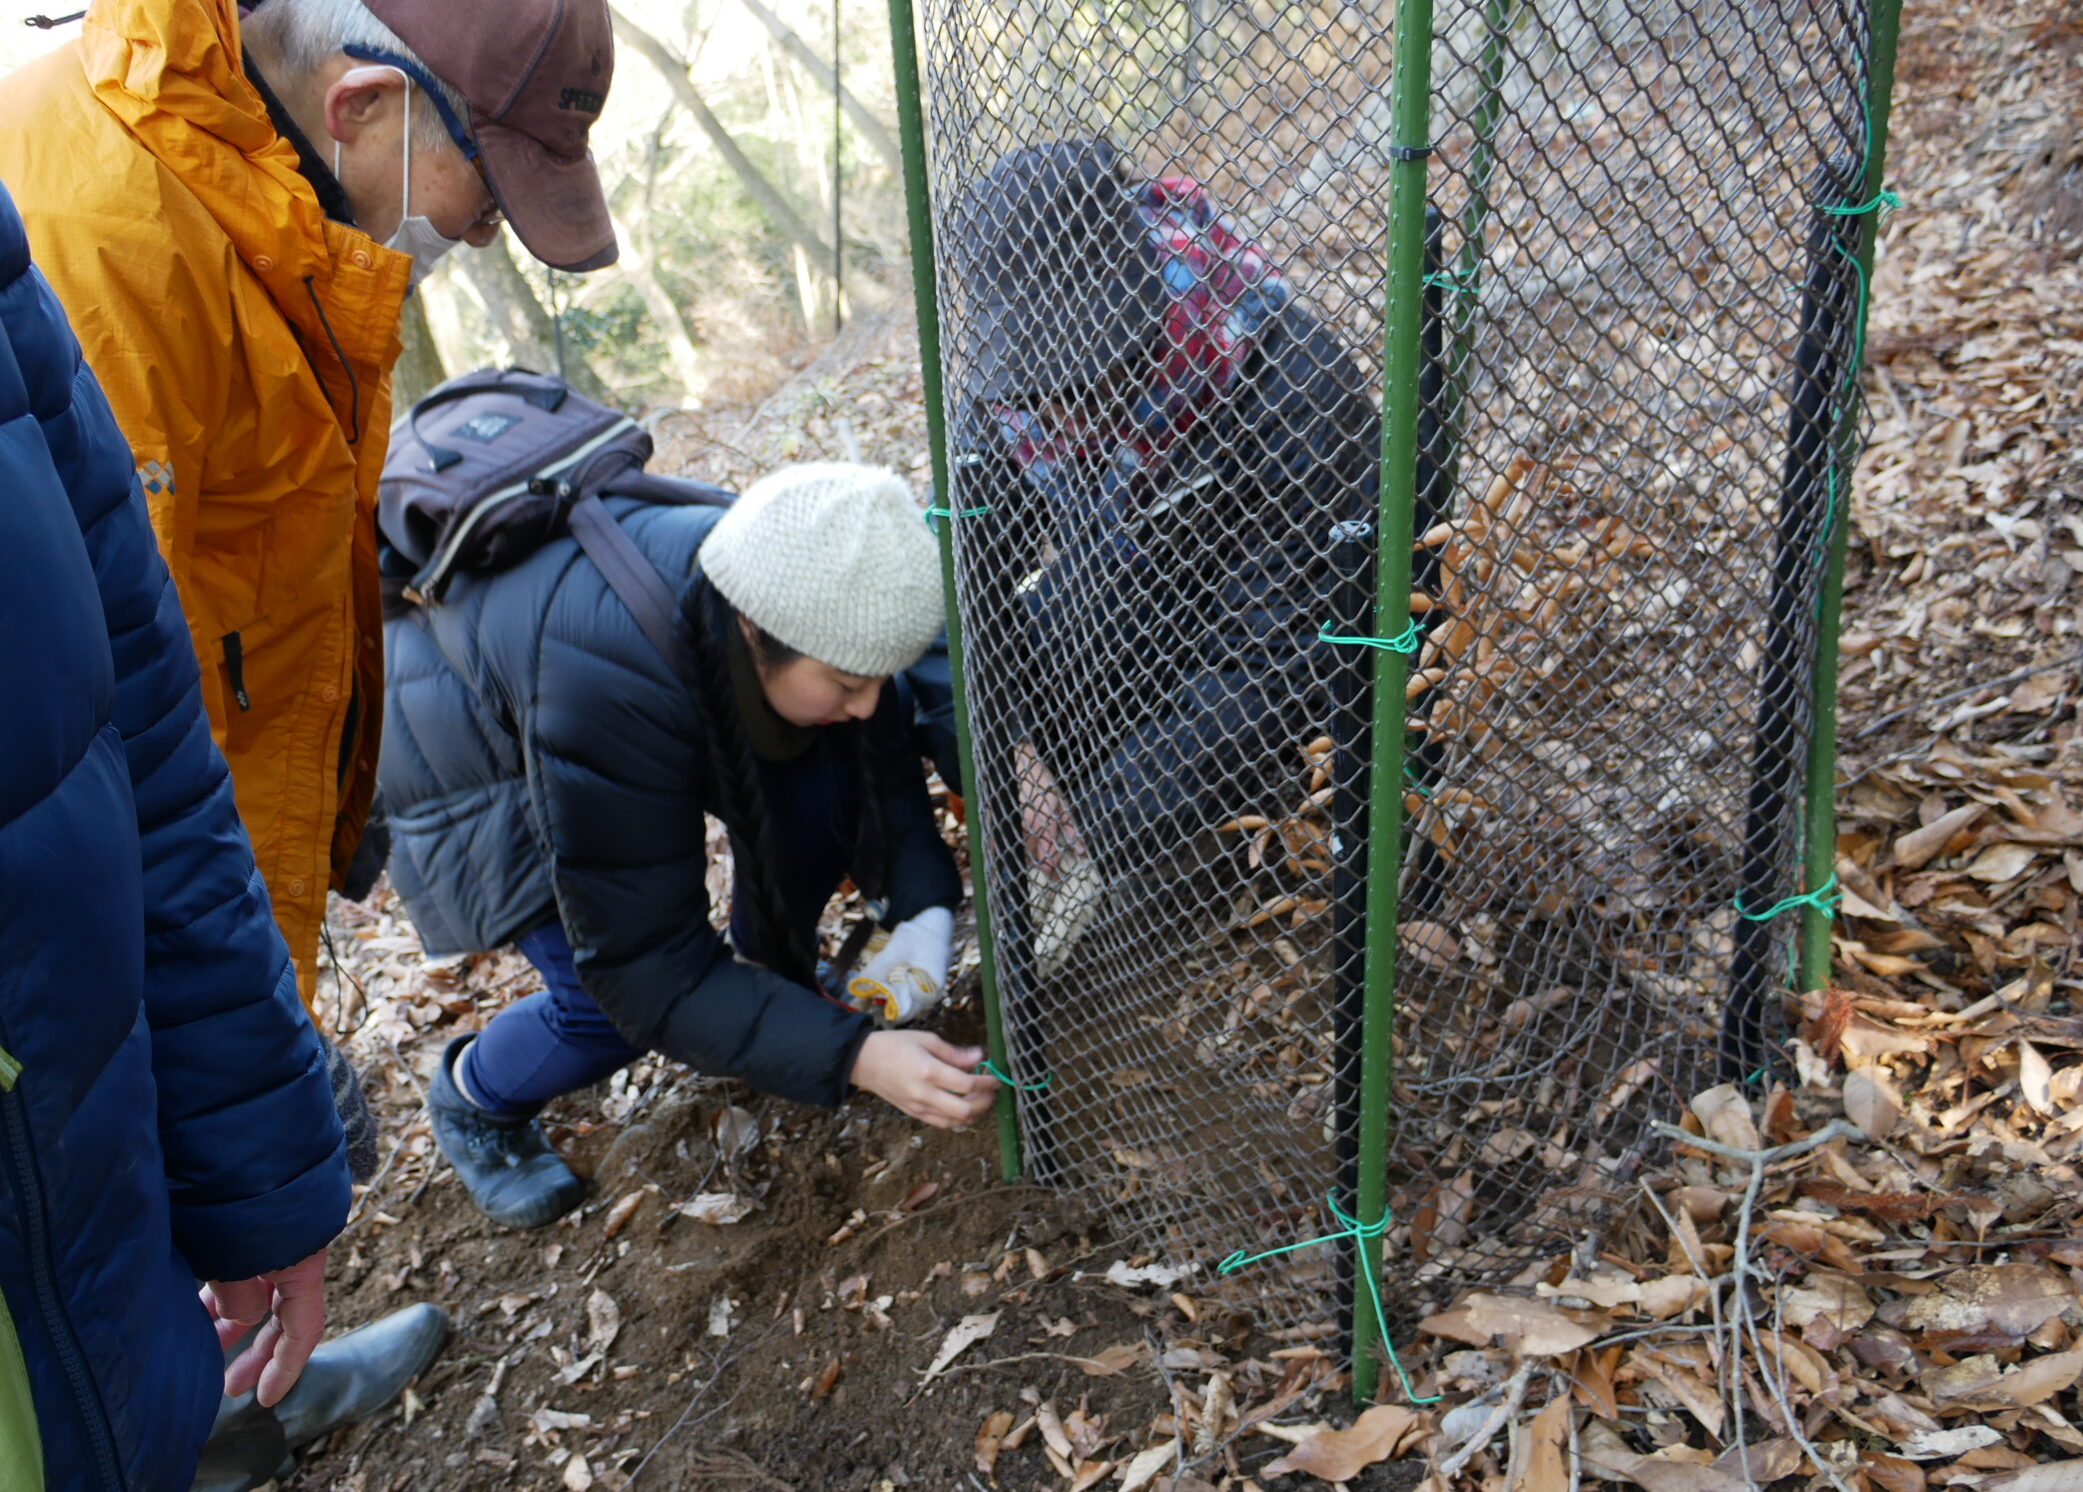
(652, 487)
(631, 576)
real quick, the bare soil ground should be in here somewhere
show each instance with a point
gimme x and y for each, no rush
(1873, 1282)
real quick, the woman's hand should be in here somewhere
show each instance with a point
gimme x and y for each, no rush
(925, 1077)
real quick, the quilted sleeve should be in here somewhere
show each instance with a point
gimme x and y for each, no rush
(615, 772)
(255, 1161)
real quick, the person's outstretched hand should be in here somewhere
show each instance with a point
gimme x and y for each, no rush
(926, 1077)
(292, 1302)
(1046, 822)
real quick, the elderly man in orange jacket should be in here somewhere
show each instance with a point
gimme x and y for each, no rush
(232, 211)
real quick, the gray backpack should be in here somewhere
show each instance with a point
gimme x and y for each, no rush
(490, 466)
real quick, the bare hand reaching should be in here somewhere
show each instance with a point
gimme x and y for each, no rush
(292, 1302)
(1045, 819)
(926, 1077)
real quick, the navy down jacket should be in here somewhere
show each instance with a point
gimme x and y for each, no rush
(172, 1119)
(541, 759)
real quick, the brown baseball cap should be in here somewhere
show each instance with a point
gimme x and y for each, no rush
(535, 74)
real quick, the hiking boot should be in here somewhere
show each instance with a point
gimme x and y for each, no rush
(347, 1380)
(506, 1165)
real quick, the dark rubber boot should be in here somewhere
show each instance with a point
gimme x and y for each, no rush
(353, 1376)
(507, 1166)
(246, 1449)
(347, 1380)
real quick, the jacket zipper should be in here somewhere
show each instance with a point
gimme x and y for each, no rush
(14, 1133)
(235, 668)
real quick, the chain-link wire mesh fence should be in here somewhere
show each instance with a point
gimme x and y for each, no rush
(1162, 252)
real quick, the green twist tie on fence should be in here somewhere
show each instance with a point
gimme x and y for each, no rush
(1406, 641)
(1447, 279)
(1882, 202)
(1356, 1231)
(937, 513)
(1823, 898)
(987, 1065)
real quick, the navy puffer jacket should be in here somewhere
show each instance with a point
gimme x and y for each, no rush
(541, 759)
(172, 1118)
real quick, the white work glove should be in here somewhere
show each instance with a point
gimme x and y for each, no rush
(906, 972)
(1062, 908)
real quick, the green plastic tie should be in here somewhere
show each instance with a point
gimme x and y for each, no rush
(987, 1065)
(936, 513)
(10, 1070)
(1447, 279)
(1882, 202)
(1356, 1231)
(1406, 641)
(1824, 899)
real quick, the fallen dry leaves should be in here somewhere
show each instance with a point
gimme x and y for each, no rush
(1339, 1455)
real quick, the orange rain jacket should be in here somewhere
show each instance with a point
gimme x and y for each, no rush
(246, 343)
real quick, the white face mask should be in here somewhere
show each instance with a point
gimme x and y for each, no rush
(416, 236)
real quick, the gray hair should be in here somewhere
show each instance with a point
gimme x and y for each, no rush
(298, 37)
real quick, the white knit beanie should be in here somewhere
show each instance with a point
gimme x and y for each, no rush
(836, 561)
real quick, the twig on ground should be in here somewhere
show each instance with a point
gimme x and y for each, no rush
(963, 1198)
(1105, 1369)
(1508, 1405)
(1741, 1271)
(1171, 1390)
(1774, 1375)
(717, 1364)
(1875, 725)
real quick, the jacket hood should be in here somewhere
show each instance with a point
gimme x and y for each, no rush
(172, 71)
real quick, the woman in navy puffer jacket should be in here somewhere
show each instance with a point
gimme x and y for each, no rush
(164, 1110)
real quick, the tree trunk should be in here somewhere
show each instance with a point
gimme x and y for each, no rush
(679, 341)
(419, 365)
(673, 69)
(519, 317)
(820, 69)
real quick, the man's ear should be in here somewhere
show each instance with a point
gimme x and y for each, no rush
(359, 97)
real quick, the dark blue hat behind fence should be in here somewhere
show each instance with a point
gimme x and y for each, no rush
(1063, 285)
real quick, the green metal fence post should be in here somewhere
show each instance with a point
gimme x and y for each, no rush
(1819, 819)
(911, 129)
(1466, 281)
(1401, 356)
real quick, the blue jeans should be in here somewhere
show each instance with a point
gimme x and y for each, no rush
(559, 1041)
(551, 1043)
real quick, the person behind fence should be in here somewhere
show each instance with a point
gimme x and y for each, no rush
(1169, 436)
(547, 774)
(165, 1109)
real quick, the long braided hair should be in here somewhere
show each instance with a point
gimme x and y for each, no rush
(706, 619)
